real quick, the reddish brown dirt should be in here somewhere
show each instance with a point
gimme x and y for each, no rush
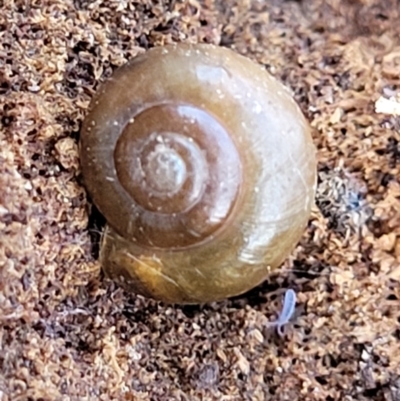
(66, 333)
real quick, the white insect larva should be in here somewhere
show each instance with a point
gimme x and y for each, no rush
(286, 314)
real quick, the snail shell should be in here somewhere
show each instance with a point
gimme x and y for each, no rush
(204, 168)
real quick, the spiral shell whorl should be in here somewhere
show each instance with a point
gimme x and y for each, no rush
(182, 172)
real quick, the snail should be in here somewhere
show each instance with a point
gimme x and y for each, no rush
(203, 166)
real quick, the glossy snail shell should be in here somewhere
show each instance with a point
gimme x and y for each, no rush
(204, 168)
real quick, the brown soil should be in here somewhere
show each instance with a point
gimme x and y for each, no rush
(67, 333)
